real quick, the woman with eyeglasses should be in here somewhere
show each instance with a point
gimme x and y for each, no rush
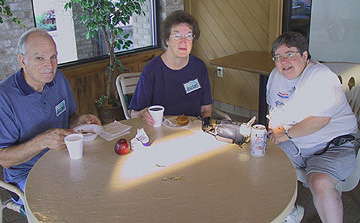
(312, 122)
(175, 79)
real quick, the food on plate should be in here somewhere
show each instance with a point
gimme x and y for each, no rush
(89, 131)
(85, 132)
(182, 120)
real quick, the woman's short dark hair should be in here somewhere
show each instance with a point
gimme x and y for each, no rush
(291, 39)
(176, 18)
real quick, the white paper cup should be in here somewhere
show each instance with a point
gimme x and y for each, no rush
(157, 113)
(74, 143)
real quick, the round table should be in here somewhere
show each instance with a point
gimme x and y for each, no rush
(184, 176)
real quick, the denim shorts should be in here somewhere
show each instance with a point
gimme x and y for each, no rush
(337, 162)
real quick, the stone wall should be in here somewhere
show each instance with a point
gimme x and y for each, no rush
(84, 47)
(168, 6)
(10, 32)
(142, 28)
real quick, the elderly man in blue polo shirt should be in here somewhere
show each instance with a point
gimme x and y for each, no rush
(37, 108)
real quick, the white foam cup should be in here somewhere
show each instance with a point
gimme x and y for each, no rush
(157, 113)
(75, 143)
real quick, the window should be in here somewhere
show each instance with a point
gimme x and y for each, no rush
(297, 14)
(70, 35)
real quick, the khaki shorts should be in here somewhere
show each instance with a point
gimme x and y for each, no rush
(337, 162)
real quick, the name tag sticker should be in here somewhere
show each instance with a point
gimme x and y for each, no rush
(191, 86)
(60, 108)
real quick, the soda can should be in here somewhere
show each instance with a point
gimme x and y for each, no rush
(258, 140)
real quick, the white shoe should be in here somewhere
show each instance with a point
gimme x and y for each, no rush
(295, 216)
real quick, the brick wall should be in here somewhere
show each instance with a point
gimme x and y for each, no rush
(141, 27)
(168, 6)
(10, 32)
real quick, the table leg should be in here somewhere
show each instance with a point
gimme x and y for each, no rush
(262, 100)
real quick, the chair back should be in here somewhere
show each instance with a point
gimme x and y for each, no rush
(11, 205)
(126, 84)
(349, 75)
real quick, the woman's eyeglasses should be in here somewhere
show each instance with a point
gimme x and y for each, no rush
(179, 36)
(287, 55)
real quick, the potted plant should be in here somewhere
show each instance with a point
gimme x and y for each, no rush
(107, 16)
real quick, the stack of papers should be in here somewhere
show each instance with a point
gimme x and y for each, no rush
(114, 130)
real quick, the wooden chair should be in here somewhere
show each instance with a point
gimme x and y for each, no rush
(349, 75)
(126, 84)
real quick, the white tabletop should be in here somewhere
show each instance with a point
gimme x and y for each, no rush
(184, 176)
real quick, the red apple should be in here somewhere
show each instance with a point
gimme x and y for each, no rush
(122, 147)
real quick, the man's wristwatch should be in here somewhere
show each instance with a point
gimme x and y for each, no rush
(287, 133)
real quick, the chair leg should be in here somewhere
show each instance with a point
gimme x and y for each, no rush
(1, 211)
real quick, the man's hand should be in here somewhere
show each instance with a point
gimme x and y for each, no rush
(88, 119)
(76, 120)
(18, 154)
(52, 138)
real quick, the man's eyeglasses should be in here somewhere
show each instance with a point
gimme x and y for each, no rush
(287, 55)
(179, 36)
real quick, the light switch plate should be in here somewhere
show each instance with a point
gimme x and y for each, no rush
(220, 72)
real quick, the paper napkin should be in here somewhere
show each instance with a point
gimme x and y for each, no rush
(114, 130)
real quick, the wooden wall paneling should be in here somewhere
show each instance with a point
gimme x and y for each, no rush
(259, 10)
(275, 24)
(233, 88)
(250, 13)
(222, 34)
(214, 32)
(244, 96)
(235, 16)
(231, 26)
(265, 4)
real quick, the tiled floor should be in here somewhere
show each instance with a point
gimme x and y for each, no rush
(351, 201)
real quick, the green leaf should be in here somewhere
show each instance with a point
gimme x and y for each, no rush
(120, 30)
(84, 18)
(118, 46)
(107, 70)
(118, 62)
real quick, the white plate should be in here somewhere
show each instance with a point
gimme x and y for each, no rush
(171, 122)
(89, 131)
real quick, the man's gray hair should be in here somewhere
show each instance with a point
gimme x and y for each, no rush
(21, 48)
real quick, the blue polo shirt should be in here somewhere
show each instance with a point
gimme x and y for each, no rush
(25, 113)
(181, 91)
